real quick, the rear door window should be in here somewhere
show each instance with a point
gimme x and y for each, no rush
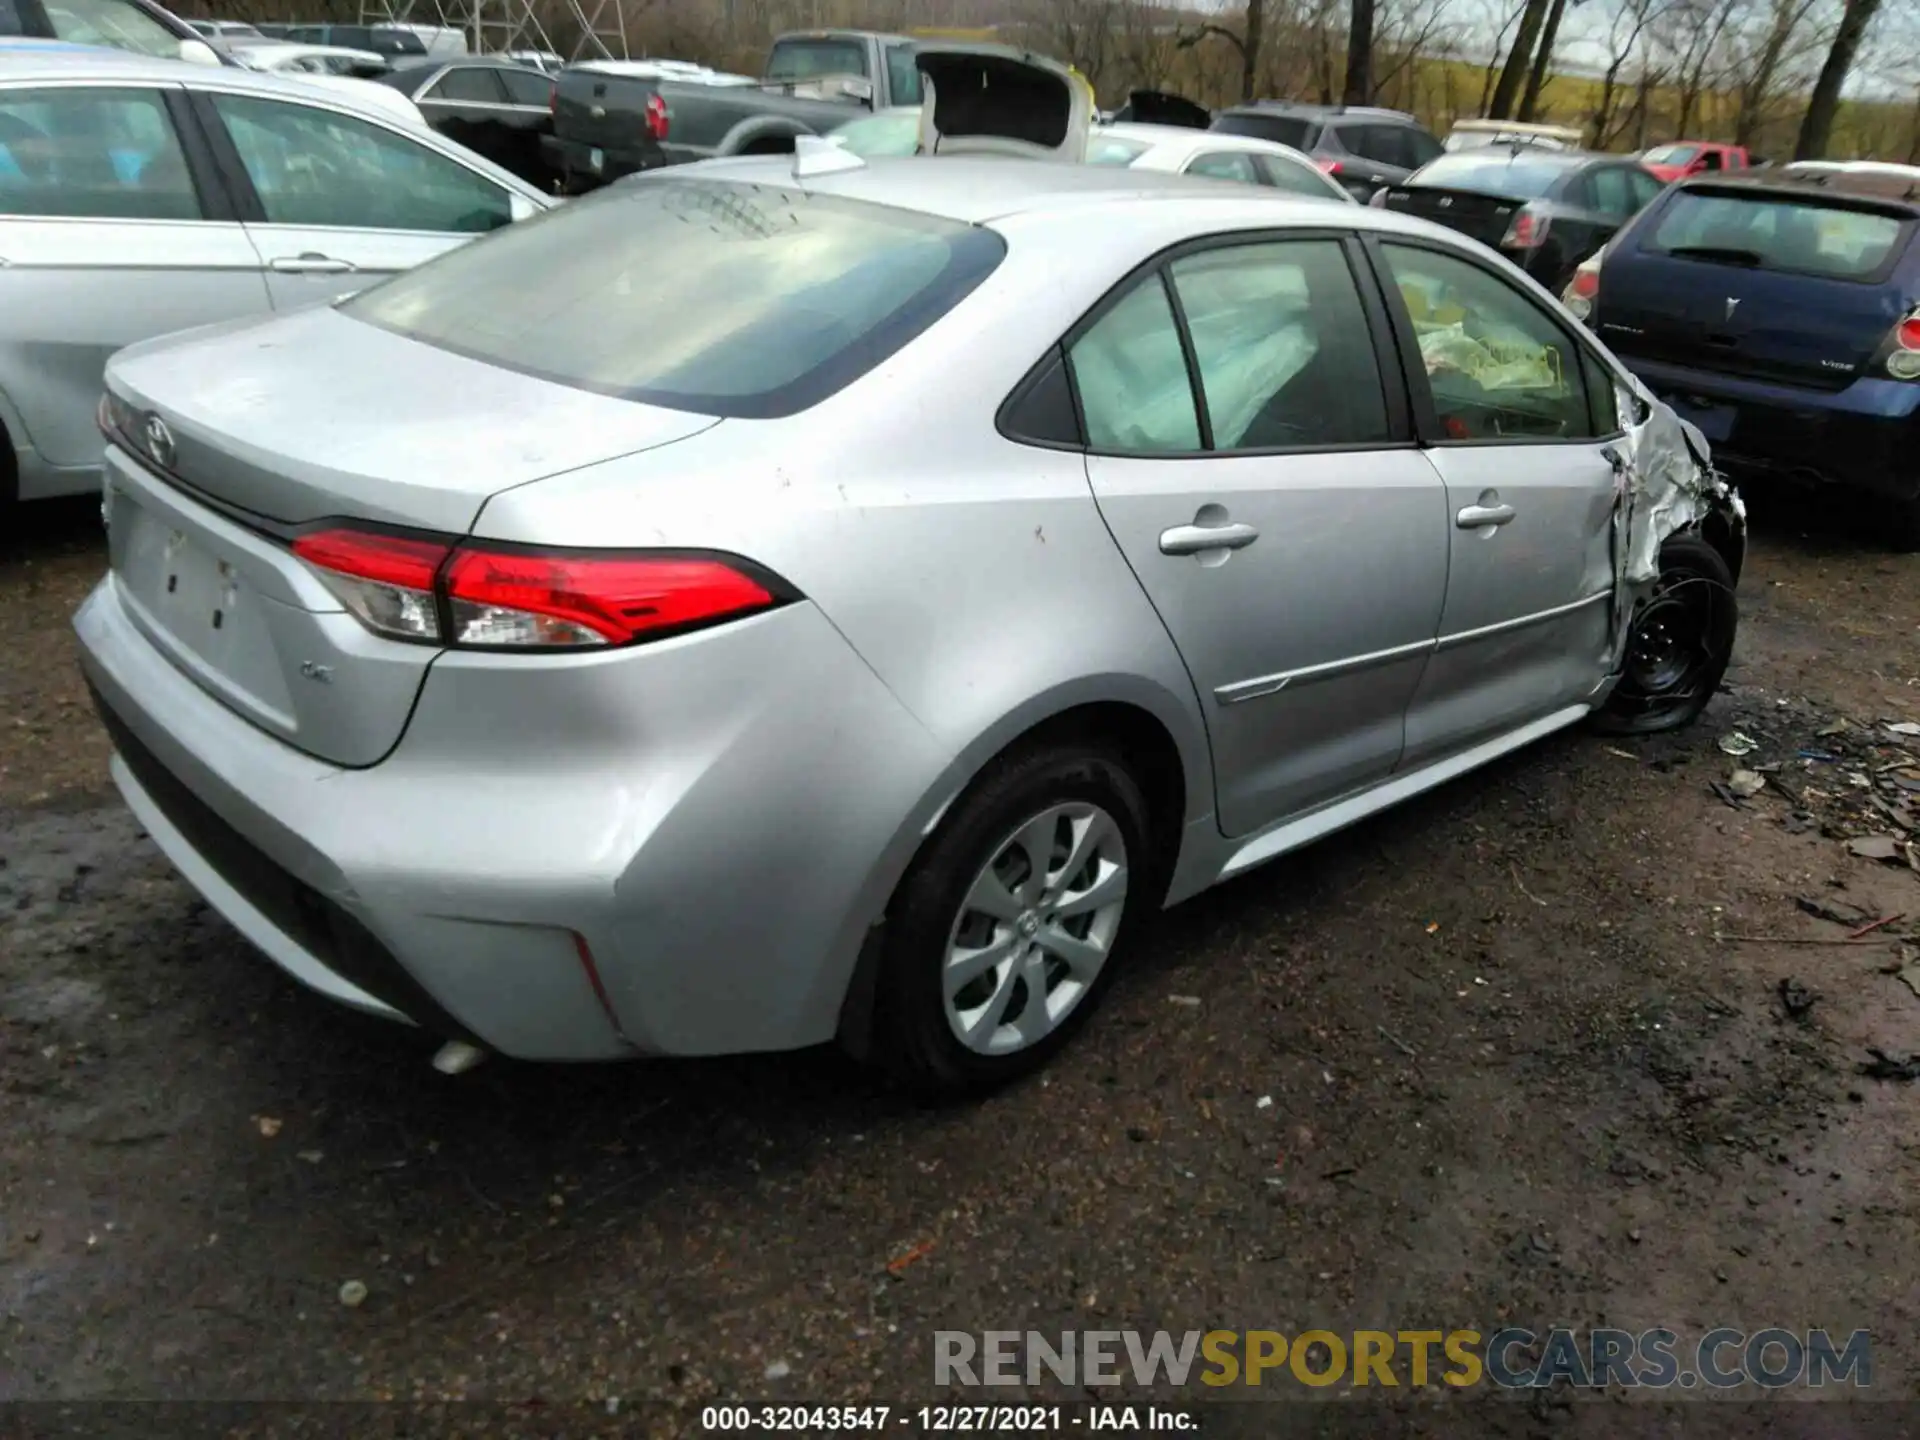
(1294, 178)
(779, 297)
(526, 88)
(1646, 188)
(109, 154)
(903, 76)
(1613, 192)
(1283, 347)
(113, 23)
(1779, 232)
(469, 85)
(320, 167)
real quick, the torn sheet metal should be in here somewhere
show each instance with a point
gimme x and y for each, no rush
(1666, 483)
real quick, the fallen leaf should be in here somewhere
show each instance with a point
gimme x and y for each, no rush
(269, 1125)
(898, 1265)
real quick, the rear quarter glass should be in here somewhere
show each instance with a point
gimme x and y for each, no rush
(779, 298)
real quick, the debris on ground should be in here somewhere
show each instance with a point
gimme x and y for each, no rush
(1909, 976)
(899, 1265)
(1746, 783)
(1837, 911)
(1738, 744)
(353, 1294)
(1796, 998)
(1890, 1067)
(1876, 847)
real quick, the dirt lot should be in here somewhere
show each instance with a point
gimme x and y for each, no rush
(1514, 1078)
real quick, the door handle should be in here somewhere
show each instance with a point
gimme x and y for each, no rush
(311, 264)
(1476, 517)
(1197, 539)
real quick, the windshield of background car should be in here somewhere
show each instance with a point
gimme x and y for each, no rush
(1671, 155)
(1112, 150)
(779, 297)
(881, 134)
(807, 59)
(1492, 172)
(1771, 232)
(1287, 129)
(112, 23)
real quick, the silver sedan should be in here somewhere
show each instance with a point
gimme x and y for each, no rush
(858, 635)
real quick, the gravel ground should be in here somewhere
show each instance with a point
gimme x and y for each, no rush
(1480, 1061)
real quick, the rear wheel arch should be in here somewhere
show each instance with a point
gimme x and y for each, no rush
(775, 138)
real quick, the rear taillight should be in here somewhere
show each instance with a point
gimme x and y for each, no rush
(658, 121)
(1328, 167)
(1903, 349)
(1584, 289)
(1528, 230)
(505, 597)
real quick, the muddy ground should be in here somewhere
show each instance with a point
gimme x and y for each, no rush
(1514, 1078)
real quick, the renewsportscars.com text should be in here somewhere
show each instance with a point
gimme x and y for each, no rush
(1511, 1358)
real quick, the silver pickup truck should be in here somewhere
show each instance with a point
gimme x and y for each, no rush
(611, 117)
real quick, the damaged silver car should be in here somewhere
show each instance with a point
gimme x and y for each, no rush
(860, 636)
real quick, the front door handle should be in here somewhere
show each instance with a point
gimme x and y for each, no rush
(1197, 539)
(311, 263)
(1476, 517)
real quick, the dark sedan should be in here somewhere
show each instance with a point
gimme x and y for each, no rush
(493, 107)
(1546, 210)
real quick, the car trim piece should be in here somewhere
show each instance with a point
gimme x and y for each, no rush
(1538, 617)
(1241, 691)
(1316, 824)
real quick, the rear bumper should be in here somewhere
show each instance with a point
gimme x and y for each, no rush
(720, 857)
(573, 161)
(1861, 438)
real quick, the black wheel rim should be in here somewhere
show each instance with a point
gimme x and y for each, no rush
(1673, 645)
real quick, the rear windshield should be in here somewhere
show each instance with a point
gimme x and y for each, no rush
(1287, 129)
(807, 59)
(1766, 232)
(1671, 155)
(1493, 172)
(1112, 150)
(774, 299)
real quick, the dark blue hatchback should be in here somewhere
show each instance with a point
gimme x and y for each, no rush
(1781, 314)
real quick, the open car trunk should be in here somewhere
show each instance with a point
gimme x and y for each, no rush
(996, 100)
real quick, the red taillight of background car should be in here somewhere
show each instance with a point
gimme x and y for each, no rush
(1902, 350)
(1328, 167)
(509, 597)
(658, 121)
(1528, 230)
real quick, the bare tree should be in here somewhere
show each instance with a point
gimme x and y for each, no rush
(1784, 41)
(1519, 58)
(1247, 43)
(1816, 130)
(1542, 60)
(1359, 87)
(1630, 22)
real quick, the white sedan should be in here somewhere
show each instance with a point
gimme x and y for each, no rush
(1181, 150)
(331, 67)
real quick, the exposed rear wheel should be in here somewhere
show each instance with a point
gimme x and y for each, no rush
(1679, 645)
(1002, 936)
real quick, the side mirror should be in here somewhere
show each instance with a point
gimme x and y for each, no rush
(198, 52)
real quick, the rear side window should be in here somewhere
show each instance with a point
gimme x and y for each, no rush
(1225, 165)
(469, 84)
(1132, 377)
(1283, 347)
(1291, 130)
(1294, 178)
(1777, 232)
(779, 297)
(92, 154)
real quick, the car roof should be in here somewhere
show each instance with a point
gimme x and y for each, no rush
(1188, 138)
(123, 65)
(1322, 112)
(977, 189)
(1565, 159)
(1882, 185)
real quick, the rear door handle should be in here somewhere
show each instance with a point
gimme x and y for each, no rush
(1476, 517)
(1197, 539)
(311, 264)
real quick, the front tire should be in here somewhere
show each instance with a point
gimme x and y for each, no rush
(1003, 934)
(1679, 645)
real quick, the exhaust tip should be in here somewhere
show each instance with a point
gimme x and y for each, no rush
(456, 1057)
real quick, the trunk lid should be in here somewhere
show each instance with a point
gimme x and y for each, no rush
(312, 417)
(1483, 217)
(997, 100)
(1733, 294)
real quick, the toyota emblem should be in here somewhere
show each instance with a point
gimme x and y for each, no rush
(159, 441)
